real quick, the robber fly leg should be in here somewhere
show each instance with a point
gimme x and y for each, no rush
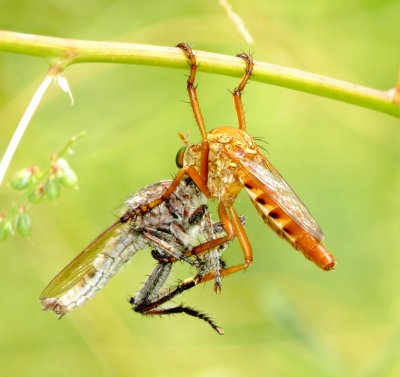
(227, 226)
(237, 92)
(145, 208)
(152, 287)
(191, 88)
(189, 311)
(147, 301)
(194, 102)
(244, 243)
(196, 178)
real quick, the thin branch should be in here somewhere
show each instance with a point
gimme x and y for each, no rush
(237, 21)
(26, 118)
(69, 51)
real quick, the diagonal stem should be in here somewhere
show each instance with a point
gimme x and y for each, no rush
(26, 118)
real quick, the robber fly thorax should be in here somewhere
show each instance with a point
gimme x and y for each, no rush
(223, 174)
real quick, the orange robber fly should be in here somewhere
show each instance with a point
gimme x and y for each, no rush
(228, 160)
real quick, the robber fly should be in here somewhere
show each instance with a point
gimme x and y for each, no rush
(175, 230)
(228, 160)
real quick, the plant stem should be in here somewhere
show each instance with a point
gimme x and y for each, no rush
(68, 51)
(25, 120)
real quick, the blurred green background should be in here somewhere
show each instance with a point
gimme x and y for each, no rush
(282, 317)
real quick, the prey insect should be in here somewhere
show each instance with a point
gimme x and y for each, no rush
(228, 160)
(150, 299)
(175, 229)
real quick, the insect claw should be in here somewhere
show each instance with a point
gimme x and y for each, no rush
(219, 330)
(241, 55)
(249, 68)
(245, 56)
(217, 287)
(185, 47)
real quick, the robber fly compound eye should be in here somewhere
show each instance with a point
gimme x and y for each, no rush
(179, 157)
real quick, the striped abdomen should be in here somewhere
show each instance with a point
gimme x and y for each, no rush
(288, 229)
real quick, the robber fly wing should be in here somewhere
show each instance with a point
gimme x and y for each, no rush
(261, 171)
(113, 240)
(108, 251)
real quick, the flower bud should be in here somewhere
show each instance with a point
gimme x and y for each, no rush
(22, 179)
(36, 195)
(23, 224)
(68, 178)
(52, 188)
(62, 164)
(5, 230)
(64, 174)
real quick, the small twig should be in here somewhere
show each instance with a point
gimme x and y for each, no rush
(237, 21)
(26, 118)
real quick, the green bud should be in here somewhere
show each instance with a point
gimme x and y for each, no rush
(22, 179)
(5, 230)
(52, 188)
(23, 224)
(36, 195)
(64, 174)
(68, 178)
(62, 164)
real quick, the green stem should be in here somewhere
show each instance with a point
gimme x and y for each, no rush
(25, 120)
(68, 51)
(61, 153)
